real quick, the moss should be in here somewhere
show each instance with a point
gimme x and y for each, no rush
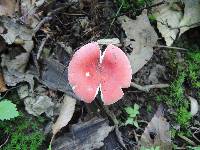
(152, 17)
(174, 96)
(193, 68)
(183, 116)
(25, 131)
(149, 108)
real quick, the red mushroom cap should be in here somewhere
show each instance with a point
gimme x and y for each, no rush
(88, 71)
(116, 74)
(83, 74)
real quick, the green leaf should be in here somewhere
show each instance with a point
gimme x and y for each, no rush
(129, 110)
(136, 107)
(132, 111)
(135, 123)
(8, 110)
(129, 121)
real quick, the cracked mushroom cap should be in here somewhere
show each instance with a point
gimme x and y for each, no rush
(90, 71)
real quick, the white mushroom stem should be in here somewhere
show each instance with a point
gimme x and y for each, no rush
(147, 88)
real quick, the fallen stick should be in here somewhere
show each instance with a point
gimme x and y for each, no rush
(147, 88)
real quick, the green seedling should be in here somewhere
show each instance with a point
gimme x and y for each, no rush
(8, 110)
(132, 114)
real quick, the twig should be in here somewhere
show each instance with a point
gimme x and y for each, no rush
(147, 88)
(183, 26)
(194, 136)
(116, 124)
(42, 46)
(151, 6)
(50, 16)
(43, 21)
(4, 142)
(187, 140)
(116, 15)
(170, 47)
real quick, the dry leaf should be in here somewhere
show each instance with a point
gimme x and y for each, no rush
(7, 7)
(18, 63)
(141, 37)
(16, 31)
(36, 103)
(3, 87)
(172, 20)
(157, 132)
(12, 78)
(114, 41)
(194, 106)
(66, 113)
(85, 136)
(54, 76)
(191, 16)
(28, 10)
(167, 18)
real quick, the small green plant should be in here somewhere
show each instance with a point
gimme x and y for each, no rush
(152, 17)
(133, 5)
(149, 108)
(193, 69)
(8, 110)
(183, 116)
(187, 73)
(132, 114)
(24, 133)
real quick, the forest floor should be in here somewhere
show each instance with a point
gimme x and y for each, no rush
(159, 111)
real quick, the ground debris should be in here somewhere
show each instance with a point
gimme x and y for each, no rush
(12, 78)
(157, 132)
(66, 113)
(19, 63)
(141, 37)
(36, 103)
(3, 87)
(28, 9)
(16, 33)
(7, 7)
(84, 136)
(54, 76)
(114, 41)
(191, 16)
(167, 18)
(176, 17)
(194, 107)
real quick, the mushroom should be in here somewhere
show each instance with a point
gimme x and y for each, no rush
(89, 72)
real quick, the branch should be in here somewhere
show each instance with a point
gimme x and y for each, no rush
(171, 47)
(147, 88)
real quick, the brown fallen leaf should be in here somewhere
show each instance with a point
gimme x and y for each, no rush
(16, 33)
(54, 75)
(29, 12)
(3, 87)
(19, 63)
(141, 37)
(66, 113)
(168, 20)
(12, 78)
(157, 132)
(7, 7)
(86, 136)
